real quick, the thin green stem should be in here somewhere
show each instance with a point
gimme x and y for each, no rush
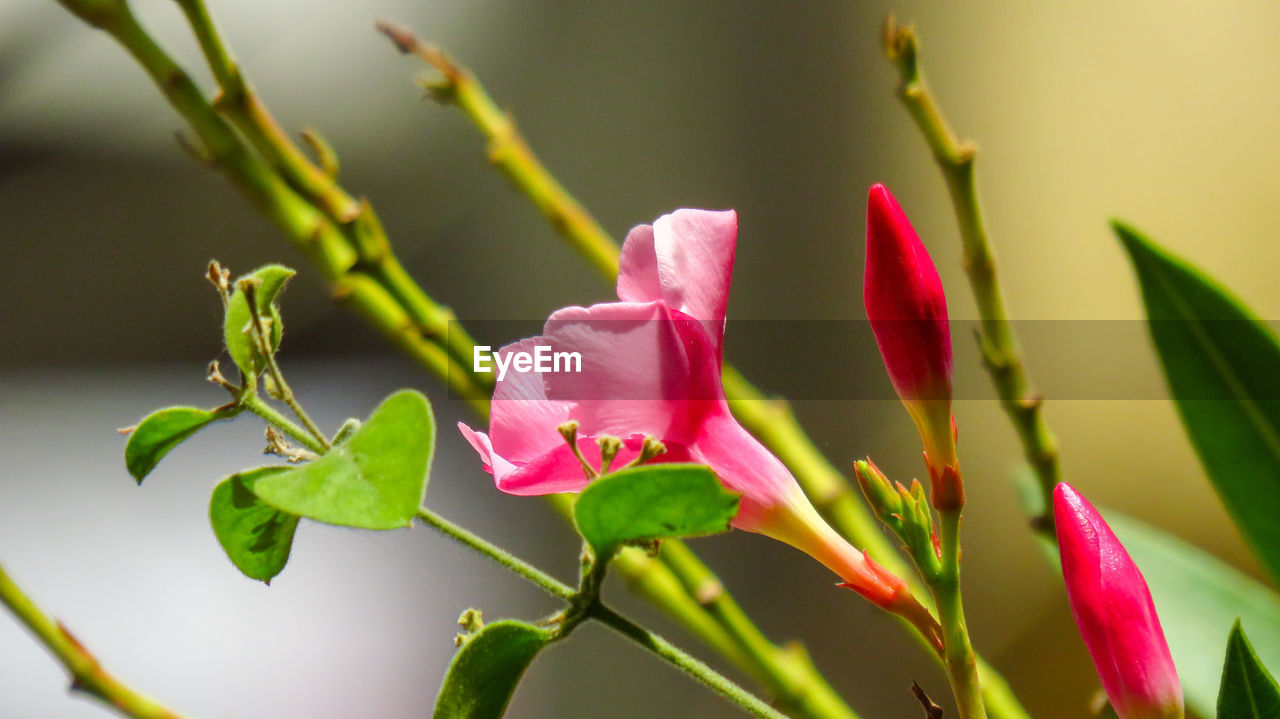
(541, 579)
(87, 673)
(1001, 350)
(684, 662)
(959, 658)
(252, 402)
(282, 389)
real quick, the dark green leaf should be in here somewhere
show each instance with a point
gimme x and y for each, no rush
(659, 501)
(1248, 689)
(484, 673)
(237, 327)
(256, 537)
(160, 432)
(1198, 598)
(374, 480)
(1223, 369)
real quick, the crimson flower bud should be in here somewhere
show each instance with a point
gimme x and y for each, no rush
(1114, 612)
(908, 312)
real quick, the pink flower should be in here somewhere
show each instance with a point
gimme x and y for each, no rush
(650, 366)
(908, 313)
(1115, 614)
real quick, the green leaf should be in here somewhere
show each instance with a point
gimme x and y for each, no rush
(1198, 598)
(374, 480)
(1223, 369)
(163, 430)
(660, 501)
(1248, 689)
(484, 673)
(237, 327)
(256, 537)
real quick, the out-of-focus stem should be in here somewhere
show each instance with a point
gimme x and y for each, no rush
(789, 672)
(1001, 350)
(769, 419)
(87, 673)
(509, 152)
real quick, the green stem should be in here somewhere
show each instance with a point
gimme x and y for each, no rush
(509, 152)
(592, 608)
(252, 402)
(248, 113)
(282, 388)
(1001, 350)
(87, 673)
(541, 579)
(959, 658)
(684, 662)
(787, 671)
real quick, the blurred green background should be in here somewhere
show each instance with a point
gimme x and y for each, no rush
(1161, 113)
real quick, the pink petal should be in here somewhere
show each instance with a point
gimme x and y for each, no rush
(646, 370)
(522, 420)
(685, 259)
(638, 267)
(493, 464)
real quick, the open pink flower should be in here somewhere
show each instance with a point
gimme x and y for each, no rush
(1114, 612)
(908, 313)
(650, 366)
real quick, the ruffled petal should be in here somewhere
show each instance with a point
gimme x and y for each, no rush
(646, 370)
(685, 259)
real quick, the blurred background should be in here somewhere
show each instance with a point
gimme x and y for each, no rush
(1162, 113)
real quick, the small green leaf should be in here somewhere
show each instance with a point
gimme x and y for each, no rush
(1248, 689)
(374, 480)
(1223, 369)
(237, 328)
(484, 673)
(160, 432)
(660, 501)
(256, 537)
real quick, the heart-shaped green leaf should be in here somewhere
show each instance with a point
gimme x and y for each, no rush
(1248, 689)
(374, 480)
(1223, 369)
(484, 673)
(659, 501)
(163, 430)
(237, 325)
(256, 537)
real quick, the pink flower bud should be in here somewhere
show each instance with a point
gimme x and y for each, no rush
(908, 313)
(1115, 614)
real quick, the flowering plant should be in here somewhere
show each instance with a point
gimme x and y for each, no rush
(626, 417)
